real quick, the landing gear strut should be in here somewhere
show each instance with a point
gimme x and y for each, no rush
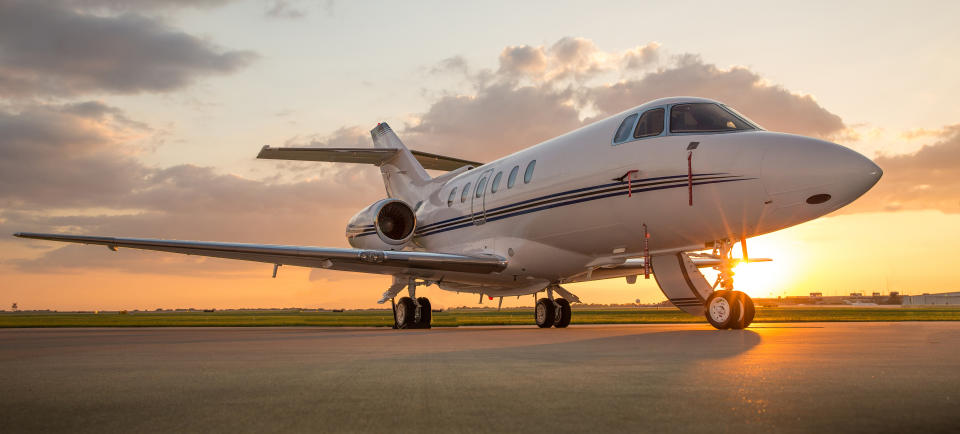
(727, 308)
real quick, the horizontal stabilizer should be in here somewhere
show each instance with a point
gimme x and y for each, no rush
(375, 156)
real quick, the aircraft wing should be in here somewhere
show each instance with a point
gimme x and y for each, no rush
(365, 261)
(375, 156)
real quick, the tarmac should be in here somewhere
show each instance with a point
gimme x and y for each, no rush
(811, 377)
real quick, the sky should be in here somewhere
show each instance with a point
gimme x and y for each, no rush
(142, 118)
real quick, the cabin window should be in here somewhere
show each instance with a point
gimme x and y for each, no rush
(704, 118)
(512, 179)
(466, 191)
(528, 174)
(651, 124)
(623, 133)
(453, 194)
(495, 185)
(480, 185)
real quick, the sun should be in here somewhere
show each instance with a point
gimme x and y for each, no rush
(763, 279)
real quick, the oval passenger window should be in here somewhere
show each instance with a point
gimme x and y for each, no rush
(453, 194)
(480, 184)
(512, 179)
(495, 185)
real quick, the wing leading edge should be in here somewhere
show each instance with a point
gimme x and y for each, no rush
(365, 261)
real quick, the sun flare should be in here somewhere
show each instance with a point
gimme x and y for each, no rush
(763, 279)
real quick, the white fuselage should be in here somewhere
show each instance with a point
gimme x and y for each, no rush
(578, 211)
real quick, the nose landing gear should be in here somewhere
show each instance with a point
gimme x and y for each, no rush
(727, 308)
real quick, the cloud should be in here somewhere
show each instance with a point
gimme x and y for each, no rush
(772, 106)
(48, 49)
(569, 58)
(500, 119)
(922, 133)
(926, 179)
(523, 60)
(66, 156)
(641, 57)
(284, 9)
(142, 5)
(537, 93)
(71, 168)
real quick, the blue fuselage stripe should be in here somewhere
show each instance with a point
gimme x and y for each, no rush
(562, 202)
(563, 193)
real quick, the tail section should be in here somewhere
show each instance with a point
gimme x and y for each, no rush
(403, 176)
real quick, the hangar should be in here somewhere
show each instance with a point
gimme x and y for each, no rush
(946, 298)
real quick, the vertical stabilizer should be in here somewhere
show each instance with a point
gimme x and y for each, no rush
(403, 176)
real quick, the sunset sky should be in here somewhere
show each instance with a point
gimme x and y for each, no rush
(142, 118)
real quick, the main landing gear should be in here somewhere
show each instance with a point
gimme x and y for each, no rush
(726, 308)
(553, 312)
(411, 312)
(412, 315)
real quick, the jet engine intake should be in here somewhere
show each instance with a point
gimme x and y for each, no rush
(388, 224)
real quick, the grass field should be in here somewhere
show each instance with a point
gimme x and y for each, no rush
(455, 317)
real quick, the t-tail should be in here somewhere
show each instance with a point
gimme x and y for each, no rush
(403, 176)
(404, 171)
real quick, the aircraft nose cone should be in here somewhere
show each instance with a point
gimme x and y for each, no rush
(816, 175)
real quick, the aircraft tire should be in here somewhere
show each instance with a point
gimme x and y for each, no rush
(747, 310)
(564, 316)
(425, 313)
(405, 313)
(722, 309)
(543, 313)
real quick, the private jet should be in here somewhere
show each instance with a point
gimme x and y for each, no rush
(663, 190)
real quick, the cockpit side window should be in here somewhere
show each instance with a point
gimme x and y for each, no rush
(623, 133)
(741, 116)
(651, 124)
(704, 118)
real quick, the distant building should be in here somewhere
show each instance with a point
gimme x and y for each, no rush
(943, 299)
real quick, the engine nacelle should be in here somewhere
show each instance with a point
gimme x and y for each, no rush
(388, 224)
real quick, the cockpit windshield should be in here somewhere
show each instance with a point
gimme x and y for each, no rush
(705, 118)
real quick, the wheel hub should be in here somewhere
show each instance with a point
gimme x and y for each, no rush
(719, 309)
(541, 313)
